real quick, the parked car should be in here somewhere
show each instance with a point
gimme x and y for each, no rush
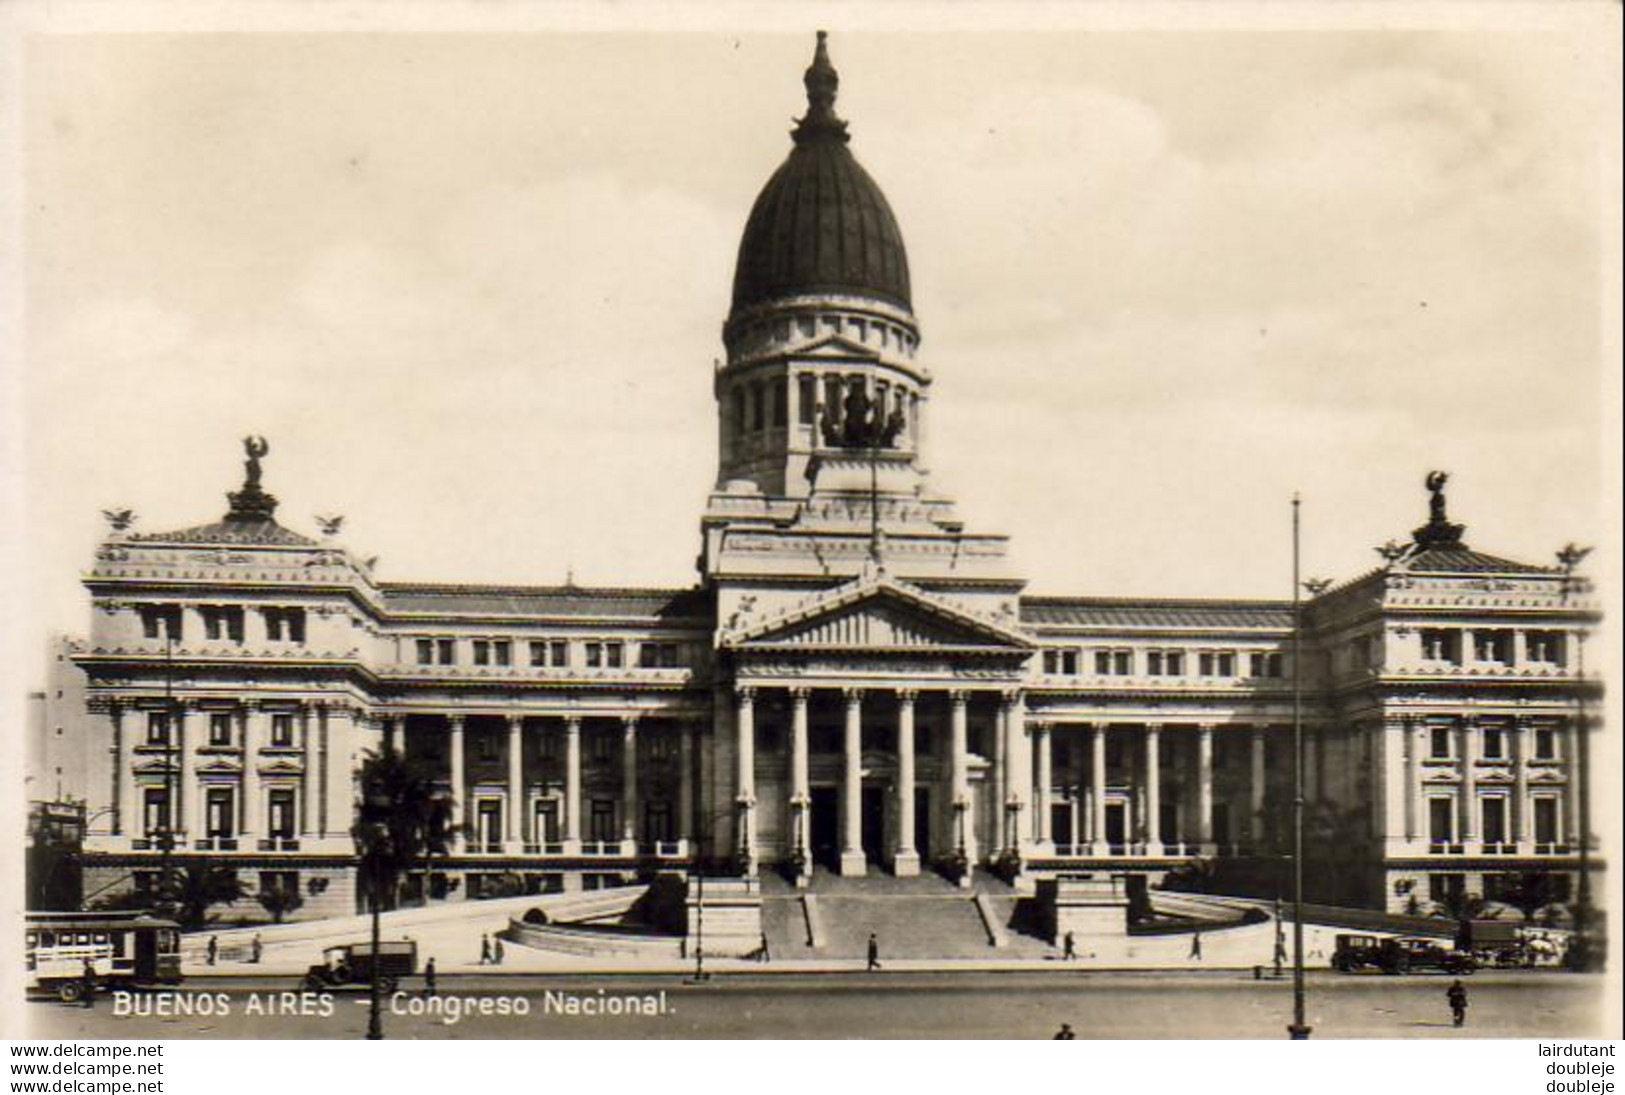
(352, 967)
(1356, 952)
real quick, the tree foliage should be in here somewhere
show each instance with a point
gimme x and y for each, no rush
(403, 818)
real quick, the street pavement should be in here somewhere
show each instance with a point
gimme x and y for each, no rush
(884, 1004)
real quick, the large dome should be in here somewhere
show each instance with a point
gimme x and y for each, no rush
(821, 225)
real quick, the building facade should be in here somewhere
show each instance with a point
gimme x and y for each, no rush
(856, 682)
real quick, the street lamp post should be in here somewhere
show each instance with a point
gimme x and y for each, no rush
(1569, 558)
(1299, 1029)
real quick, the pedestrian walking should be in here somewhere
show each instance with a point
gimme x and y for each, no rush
(87, 985)
(429, 987)
(874, 952)
(1069, 951)
(1457, 995)
(1196, 946)
(255, 949)
(762, 952)
(496, 950)
(485, 950)
(214, 948)
(1064, 1034)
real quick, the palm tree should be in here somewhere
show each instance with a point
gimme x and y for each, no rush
(279, 901)
(198, 887)
(1460, 905)
(403, 818)
(1531, 891)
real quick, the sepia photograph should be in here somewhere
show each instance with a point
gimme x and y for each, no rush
(1071, 522)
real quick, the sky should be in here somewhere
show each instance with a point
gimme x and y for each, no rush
(471, 287)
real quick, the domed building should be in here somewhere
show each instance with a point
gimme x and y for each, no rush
(856, 684)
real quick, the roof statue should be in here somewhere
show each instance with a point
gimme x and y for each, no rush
(119, 519)
(1438, 532)
(252, 504)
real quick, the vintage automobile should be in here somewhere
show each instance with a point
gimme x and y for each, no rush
(1394, 956)
(130, 950)
(352, 967)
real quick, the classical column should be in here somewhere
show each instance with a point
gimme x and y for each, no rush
(800, 781)
(126, 797)
(184, 822)
(1574, 826)
(307, 781)
(999, 776)
(1256, 787)
(1046, 780)
(1417, 734)
(906, 862)
(1520, 784)
(1019, 771)
(745, 781)
(324, 768)
(253, 811)
(1097, 788)
(342, 747)
(1204, 786)
(572, 783)
(852, 857)
(629, 781)
(516, 784)
(1153, 788)
(964, 827)
(685, 781)
(1469, 780)
(459, 812)
(1311, 765)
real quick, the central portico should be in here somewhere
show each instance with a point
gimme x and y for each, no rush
(899, 714)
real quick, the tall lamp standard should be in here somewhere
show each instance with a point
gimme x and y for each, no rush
(1569, 558)
(1299, 1028)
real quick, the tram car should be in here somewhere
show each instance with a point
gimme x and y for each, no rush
(132, 950)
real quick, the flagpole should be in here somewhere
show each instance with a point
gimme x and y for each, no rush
(1299, 1030)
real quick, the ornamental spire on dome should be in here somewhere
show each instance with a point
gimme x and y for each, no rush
(822, 82)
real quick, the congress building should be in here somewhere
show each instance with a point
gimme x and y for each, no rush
(856, 682)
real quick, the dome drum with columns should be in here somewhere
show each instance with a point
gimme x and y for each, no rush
(856, 682)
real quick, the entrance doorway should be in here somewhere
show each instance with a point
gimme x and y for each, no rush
(826, 827)
(1060, 823)
(922, 823)
(1116, 823)
(874, 824)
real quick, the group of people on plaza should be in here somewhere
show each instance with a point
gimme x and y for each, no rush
(256, 949)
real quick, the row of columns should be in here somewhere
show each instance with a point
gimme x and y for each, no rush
(571, 813)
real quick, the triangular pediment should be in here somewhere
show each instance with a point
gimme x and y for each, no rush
(837, 347)
(878, 613)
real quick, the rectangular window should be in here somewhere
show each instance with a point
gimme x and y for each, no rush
(1495, 820)
(538, 653)
(1494, 743)
(482, 652)
(670, 655)
(1493, 646)
(603, 820)
(1226, 665)
(1439, 747)
(648, 655)
(1545, 743)
(282, 730)
(157, 728)
(1544, 647)
(546, 828)
(155, 811)
(1546, 830)
(285, 625)
(446, 651)
(1153, 663)
(657, 822)
(502, 652)
(1123, 662)
(281, 821)
(1069, 662)
(806, 399)
(1103, 662)
(1441, 820)
(425, 651)
(595, 655)
(222, 623)
(219, 810)
(220, 728)
(613, 655)
(1441, 645)
(161, 622)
